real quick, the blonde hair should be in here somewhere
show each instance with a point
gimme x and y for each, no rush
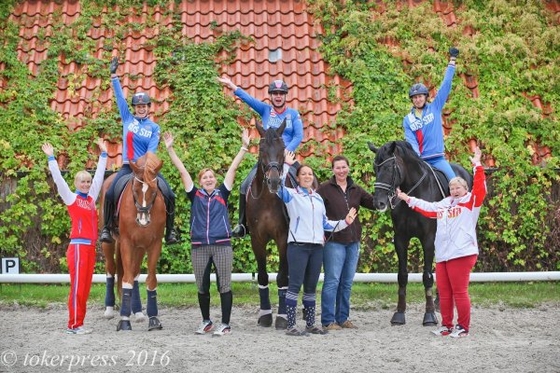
(81, 175)
(459, 180)
(203, 171)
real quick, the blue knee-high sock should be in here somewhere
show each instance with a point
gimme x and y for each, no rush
(136, 302)
(110, 292)
(125, 302)
(291, 313)
(151, 307)
(265, 298)
(282, 301)
(309, 316)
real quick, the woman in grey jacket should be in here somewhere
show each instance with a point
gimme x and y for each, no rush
(308, 221)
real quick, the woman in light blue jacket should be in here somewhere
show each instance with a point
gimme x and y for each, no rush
(306, 238)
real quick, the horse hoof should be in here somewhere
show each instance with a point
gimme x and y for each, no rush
(124, 325)
(281, 323)
(265, 320)
(398, 319)
(154, 324)
(139, 317)
(109, 313)
(430, 319)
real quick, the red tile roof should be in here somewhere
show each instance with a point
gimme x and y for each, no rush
(274, 24)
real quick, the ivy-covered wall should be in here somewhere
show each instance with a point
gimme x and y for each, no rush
(514, 54)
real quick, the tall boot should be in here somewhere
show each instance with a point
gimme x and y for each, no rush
(241, 229)
(108, 214)
(170, 234)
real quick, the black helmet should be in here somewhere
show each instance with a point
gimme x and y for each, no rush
(278, 86)
(418, 89)
(141, 98)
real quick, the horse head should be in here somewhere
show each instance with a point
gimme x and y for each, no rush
(387, 167)
(271, 155)
(144, 186)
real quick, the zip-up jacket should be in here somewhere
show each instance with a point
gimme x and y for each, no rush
(338, 203)
(209, 217)
(456, 219)
(425, 133)
(293, 133)
(81, 207)
(308, 219)
(140, 135)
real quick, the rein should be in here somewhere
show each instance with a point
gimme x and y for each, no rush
(392, 188)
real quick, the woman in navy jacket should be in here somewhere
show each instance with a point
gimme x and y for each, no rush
(210, 233)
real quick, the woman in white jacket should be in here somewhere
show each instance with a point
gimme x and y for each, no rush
(306, 239)
(455, 244)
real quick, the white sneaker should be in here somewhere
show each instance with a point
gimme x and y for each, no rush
(78, 330)
(442, 331)
(222, 329)
(459, 332)
(206, 326)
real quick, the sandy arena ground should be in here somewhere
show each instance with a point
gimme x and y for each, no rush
(501, 340)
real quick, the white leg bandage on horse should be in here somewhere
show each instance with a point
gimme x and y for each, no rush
(264, 312)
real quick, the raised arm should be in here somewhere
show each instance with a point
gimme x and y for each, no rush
(97, 181)
(185, 176)
(230, 175)
(63, 189)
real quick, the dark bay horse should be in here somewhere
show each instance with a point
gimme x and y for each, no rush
(141, 228)
(397, 165)
(267, 221)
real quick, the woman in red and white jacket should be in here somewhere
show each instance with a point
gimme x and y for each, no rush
(80, 254)
(456, 247)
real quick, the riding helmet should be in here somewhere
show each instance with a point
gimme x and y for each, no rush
(278, 86)
(418, 89)
(141, 98)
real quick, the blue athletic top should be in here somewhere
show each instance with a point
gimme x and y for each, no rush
(140, 135)
(293, 133)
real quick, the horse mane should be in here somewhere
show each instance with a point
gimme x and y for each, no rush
(149, 164)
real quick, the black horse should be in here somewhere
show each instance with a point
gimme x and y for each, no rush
(267, 220)
(397, 165)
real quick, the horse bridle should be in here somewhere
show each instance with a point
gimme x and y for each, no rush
(143, 210)
(392, 188)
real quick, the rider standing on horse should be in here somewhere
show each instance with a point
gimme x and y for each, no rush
(80, 255)
(210, 233)
(140, 135)
(271, 116)
(423, 126)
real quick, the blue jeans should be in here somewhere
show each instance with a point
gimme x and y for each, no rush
(339, 262)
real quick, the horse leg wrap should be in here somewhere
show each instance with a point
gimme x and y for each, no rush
(110, 292)
(282, 300)
(126, 300)
(136, 303)
(152, 308)
(265, 298)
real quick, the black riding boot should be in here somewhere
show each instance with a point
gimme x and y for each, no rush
(241, 229)
(108, 213)
(170, 234)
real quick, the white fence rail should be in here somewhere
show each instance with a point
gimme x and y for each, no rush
(251, 277)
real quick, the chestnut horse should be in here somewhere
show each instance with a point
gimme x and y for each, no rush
(141, 228)
(397, 165)
(267, 220)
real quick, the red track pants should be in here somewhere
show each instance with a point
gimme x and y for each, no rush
(81, 262)
(452, 278)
